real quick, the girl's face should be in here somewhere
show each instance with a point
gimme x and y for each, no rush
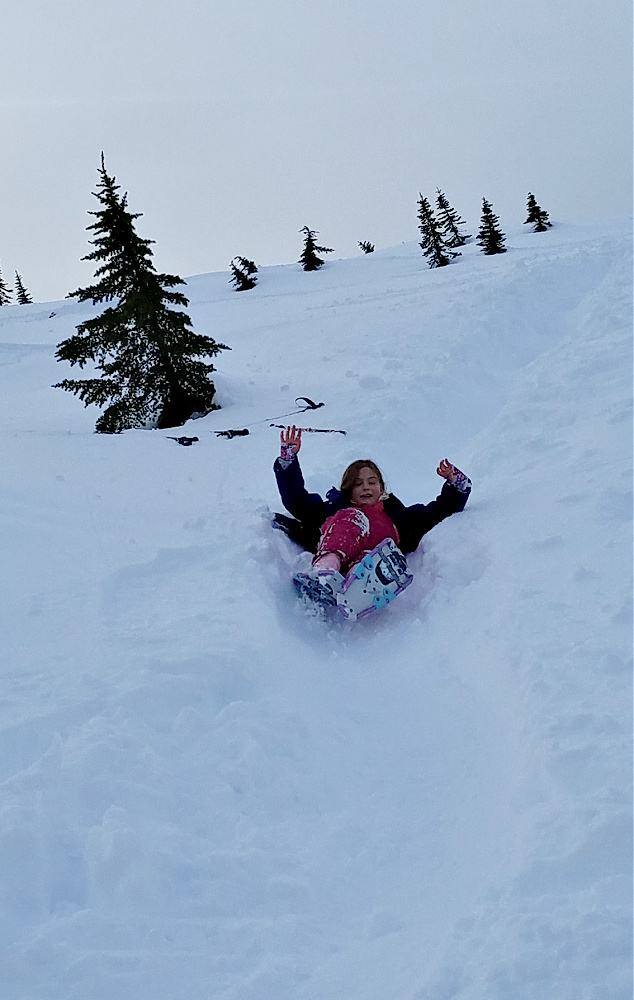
(367, 488)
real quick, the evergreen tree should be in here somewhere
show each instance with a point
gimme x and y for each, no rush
(366, 246)
(309, 259)
(490, 236)
(22, 295)
(536, 216)
(147, 352)
(433, 245)
(449, 221)
(243, 273)
(5, 292)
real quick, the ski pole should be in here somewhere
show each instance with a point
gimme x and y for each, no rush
(309, 404)
(311, 430)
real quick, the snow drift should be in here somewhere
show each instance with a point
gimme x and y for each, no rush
(208, 796)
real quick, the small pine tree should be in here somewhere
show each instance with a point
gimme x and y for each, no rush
(5, 292)
(22, 295)
(450, 220)
(433, 245)
(490, 236)
(243, 273)
(309, 259)
(537, 216)
(147, 352)
(366, 246)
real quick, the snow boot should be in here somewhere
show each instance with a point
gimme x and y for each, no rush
(319, 586)
(374, 582)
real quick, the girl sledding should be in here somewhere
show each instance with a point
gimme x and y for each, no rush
(360, 533)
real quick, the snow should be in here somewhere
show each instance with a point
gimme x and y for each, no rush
(207, 795)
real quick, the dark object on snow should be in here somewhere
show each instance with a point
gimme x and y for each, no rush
(537, 216)
(310, 511)
(450, 220)
(5, 292)
(366, 246)
(183, 440)
(433, 244)
(149, 358)
(309, 404)
(22, 295)
(490, 236)
(243, 273)
(309, 259)
(232, 433)
(304, 535)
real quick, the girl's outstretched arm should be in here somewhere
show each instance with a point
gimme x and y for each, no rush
(298, 501)
(453, 475)
(415, 521)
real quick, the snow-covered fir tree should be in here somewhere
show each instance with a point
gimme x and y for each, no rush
(450, 221)
(536, 216)
(5, 292)
(147, 352)
(243, 273)
(433, 244)
(366, 246)
(309, 259)
(490, 236)
(22, 296)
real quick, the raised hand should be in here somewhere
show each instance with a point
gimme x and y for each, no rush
(291, 439)
(447, 471)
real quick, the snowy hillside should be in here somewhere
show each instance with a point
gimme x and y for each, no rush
(207, 795)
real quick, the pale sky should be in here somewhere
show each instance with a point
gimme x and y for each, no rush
(232, 125)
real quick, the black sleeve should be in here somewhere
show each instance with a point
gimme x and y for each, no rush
(298, 501)
(415, 521)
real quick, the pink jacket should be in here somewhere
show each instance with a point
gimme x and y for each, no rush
(355, 530)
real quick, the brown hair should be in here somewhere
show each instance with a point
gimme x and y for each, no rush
(351, 474)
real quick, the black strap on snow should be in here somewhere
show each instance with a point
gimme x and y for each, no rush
(232, 433)
(303, 403)
(310, 405)
(183, 440)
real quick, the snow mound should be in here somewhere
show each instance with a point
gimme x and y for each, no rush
(207, 794)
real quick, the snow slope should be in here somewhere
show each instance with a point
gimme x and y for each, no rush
(207, 795)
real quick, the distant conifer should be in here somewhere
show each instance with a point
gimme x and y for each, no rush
(490, 236)
(450, 220)
(432, 244)
(243, 273)
(5, 292)
(22, 295)
(537, 216)
(309, 259)
(147, 352)
(366, 246)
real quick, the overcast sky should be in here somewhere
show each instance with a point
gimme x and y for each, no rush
(232, 125)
